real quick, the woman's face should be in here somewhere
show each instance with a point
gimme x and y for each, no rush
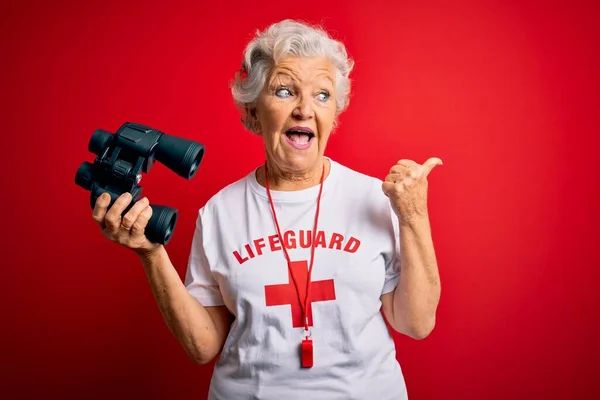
(296, 112)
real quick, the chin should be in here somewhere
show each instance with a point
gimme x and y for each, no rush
(301, 162)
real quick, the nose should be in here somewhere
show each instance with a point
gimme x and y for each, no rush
(304, 107)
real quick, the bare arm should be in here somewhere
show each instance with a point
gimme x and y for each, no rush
(200, 330)
(411, 307)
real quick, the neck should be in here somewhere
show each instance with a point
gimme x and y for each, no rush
(287, 181)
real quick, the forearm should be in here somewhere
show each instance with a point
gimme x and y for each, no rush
(185, 317)
(418, 292)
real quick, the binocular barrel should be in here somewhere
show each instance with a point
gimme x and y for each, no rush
(182, 156)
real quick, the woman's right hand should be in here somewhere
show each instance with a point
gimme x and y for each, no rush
(128, 230)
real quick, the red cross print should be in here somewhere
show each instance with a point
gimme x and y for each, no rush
(283, 294)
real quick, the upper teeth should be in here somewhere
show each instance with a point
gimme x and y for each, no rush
(298, 131)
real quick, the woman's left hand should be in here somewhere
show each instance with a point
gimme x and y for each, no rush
(406, 187)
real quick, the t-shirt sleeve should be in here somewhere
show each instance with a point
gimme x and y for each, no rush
(392, 267)
(199, 279)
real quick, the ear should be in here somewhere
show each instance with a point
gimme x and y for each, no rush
(252, 115)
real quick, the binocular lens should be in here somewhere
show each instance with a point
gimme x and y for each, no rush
(196, 162)
(162, 224)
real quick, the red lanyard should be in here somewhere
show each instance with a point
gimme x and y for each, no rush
(306, 349)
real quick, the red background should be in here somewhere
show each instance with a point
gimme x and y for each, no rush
(506, 93)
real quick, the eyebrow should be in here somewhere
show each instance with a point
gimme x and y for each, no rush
(284, 74)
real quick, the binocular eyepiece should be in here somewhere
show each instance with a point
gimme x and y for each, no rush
(121, 159)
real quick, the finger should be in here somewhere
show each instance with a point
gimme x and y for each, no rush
(407, 163)
(398, 169)
(395, 177)
(429, 165)
(388, 187)
(393, 183)
(132, 214)
(100, 207)
(410, 172)
(113, 216)
(403, 165)
(392, 188)
(406, 178)
(141, 221)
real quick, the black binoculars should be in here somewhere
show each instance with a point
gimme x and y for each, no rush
(121, 159)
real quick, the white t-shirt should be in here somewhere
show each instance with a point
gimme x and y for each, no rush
(236, 260)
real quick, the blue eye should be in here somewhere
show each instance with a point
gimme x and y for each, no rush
(284, 90)
(323, 96)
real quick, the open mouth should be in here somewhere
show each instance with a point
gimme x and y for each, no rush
(300, 137)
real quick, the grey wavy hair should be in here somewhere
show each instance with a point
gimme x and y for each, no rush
(281, 39)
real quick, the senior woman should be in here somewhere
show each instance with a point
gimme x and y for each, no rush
(291, 265)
